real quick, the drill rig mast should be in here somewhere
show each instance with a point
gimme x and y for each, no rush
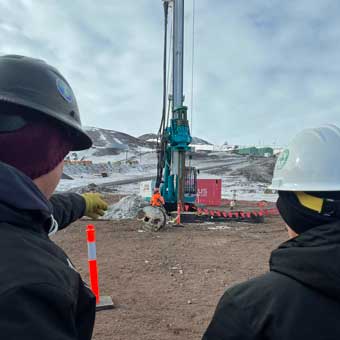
(176, 181)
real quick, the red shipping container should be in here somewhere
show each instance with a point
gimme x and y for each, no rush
(209, 190)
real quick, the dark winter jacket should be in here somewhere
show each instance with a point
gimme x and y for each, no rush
(41, 294)
(299, 299)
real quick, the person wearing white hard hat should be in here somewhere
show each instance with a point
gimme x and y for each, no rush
(299, 298)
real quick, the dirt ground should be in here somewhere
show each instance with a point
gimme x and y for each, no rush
(166, 285)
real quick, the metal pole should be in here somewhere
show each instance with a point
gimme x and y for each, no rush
(178, 52)
(178, 42)
(180, 188)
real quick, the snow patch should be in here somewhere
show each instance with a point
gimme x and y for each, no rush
(117, 140)
(126, 208)
(102, 137)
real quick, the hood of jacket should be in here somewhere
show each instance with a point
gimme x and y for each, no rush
(21, 202)
(312, 258)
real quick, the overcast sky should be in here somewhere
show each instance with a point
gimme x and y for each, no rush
(264, 69)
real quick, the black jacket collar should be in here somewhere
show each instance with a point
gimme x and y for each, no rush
(21, 202)
(312, 258)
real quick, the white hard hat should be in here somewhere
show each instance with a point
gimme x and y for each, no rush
(311, 162)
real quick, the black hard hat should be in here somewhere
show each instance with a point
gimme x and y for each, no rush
(38, 88)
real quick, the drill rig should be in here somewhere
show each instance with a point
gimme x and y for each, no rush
(177, 182)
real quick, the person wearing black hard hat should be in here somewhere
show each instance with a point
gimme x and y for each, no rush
(41, 294)
(299, 298)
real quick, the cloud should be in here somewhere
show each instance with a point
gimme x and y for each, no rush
(269, 69)
(263, 69)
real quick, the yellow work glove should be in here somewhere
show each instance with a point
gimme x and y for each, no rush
(95, 206)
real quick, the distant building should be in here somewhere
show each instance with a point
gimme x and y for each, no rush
(253, 151)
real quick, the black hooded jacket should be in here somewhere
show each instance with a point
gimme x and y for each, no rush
(41, 294)
(299, 299)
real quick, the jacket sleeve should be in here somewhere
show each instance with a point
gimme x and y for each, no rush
(67, 208)
(228, 322)
(37, 311)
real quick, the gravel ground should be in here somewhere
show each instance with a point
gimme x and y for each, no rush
(166, 285)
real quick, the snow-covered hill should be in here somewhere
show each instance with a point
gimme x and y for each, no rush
(148, 137)
(199, 141)
(104, 138)
(110, 145)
